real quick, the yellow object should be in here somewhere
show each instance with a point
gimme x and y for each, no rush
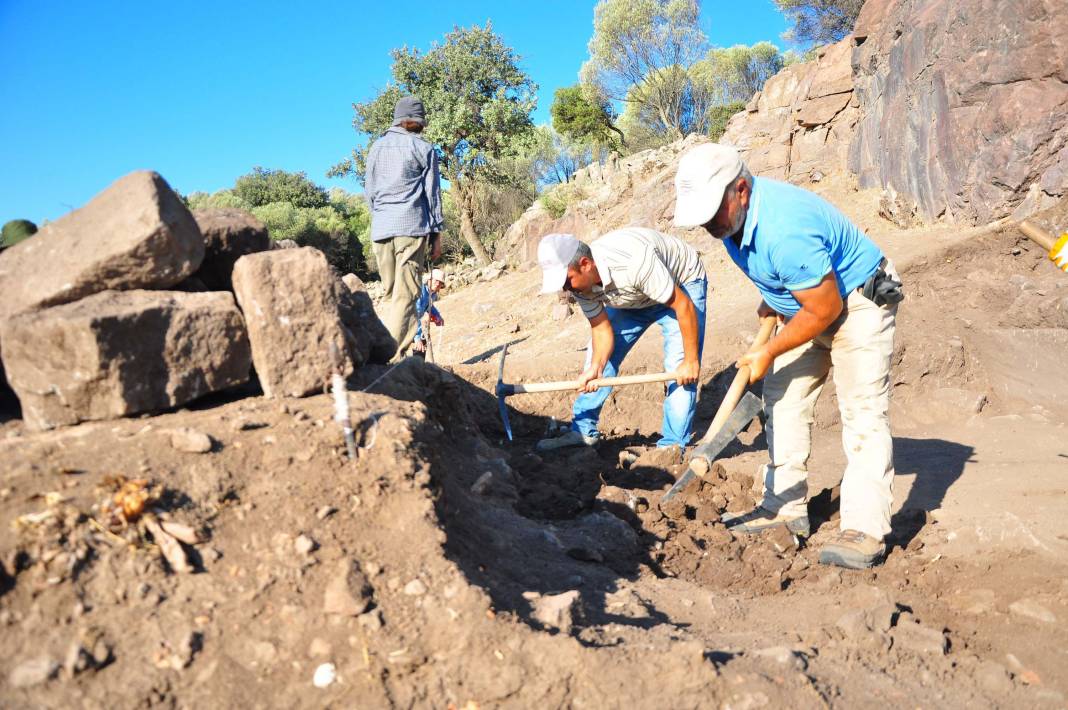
(1059, 253)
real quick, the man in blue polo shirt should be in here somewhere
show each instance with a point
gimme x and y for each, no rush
(836, 297)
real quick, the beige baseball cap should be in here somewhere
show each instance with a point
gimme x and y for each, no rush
(555, 252)
(703, 175)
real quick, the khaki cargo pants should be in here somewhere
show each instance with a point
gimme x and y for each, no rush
(400, 266)
(859, 344)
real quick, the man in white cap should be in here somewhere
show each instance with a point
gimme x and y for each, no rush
(403, 189)
(626, 281)
(836, 296)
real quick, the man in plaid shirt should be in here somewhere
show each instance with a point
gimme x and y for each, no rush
(403, 189)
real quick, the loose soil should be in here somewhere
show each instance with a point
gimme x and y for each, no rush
(448, 567)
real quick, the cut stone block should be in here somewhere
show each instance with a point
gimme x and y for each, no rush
(123, 352)
(135, 234)
(229, 234)
(290, 304)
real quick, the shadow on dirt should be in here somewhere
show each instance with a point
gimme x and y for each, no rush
(521, 526)
(936, 465)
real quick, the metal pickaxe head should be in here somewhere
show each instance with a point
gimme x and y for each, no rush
(502, 390)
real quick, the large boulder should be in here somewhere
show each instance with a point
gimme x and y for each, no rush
(135, 234)
(229, 234)
(118, 353)
(962, 105)
(290, 303)
(371, 340)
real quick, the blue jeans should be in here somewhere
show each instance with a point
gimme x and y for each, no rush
(628, 324)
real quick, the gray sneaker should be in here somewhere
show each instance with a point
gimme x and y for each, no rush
(853, 549)
(569, 438)
(760, 519)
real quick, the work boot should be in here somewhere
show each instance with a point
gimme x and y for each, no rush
(760, 519)
(570, 438)
(853, 549)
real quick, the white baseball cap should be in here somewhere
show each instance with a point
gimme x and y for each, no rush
(435, 275)
(703, 175)
(555, 252)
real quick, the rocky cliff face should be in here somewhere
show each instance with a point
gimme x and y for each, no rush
(962, 105)
(802, 121)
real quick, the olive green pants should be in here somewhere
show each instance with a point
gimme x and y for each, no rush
(400, 266)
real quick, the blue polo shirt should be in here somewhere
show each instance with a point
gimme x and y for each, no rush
(793, 238)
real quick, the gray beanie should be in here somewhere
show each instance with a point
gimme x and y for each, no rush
(409, 108)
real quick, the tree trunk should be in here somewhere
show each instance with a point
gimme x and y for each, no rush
(467, 223)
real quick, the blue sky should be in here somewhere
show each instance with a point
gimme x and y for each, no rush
(204, 91)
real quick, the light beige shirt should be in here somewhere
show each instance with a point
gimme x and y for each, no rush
(639, 268)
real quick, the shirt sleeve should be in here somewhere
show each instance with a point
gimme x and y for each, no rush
(433, 192)
(422, 302)
(590, 308)
(801, 261)
(369, 177)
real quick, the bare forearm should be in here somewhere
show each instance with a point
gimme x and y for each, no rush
(603, 343)
(687, 317)
(800, 329)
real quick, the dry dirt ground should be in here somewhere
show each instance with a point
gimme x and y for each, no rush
(448, 567)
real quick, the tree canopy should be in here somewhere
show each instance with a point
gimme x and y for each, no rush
(816, 22)
(293, 207)
(262, 187)
(478, 103)
(641, 52)
(14, 231)
(654, 58)
(582, 116)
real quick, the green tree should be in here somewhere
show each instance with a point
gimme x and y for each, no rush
(554, 158)
(478, 104)
(586, 118)
(736, 73)
(641, 52)
(262, 187)
(815, 22)
(15, 231)
(720, 115)
(217, 200)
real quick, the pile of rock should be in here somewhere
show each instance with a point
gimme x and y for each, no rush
(127, 305)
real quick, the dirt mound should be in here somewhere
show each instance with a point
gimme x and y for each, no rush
(408, 571)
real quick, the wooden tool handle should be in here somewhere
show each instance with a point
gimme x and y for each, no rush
(1038, 235)
(740, 382)
(600, 382)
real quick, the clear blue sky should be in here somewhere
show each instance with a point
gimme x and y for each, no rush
(203, 91)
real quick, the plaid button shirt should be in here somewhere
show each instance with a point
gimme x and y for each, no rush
(402, 186)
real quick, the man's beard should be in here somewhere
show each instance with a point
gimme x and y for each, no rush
(736, 226)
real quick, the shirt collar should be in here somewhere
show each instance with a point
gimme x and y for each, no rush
(603, 271)
(752, 215)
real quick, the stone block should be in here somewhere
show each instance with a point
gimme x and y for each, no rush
(228, 234)
(291, 311)
(118, 353)
(135, 234)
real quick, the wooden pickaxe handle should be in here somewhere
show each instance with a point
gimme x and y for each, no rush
(1038, 235)
(740, 382)
(599, 382)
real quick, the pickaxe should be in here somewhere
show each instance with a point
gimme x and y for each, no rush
(507, 390)
(735, 412)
